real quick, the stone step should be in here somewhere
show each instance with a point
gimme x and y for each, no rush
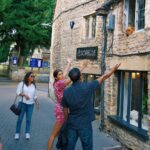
(117, 147)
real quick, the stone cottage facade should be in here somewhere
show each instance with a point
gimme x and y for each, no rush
(78, 33)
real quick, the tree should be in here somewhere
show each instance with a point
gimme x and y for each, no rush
(3, 53)
(22, 23)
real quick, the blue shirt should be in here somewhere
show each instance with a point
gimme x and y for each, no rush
(78, 98)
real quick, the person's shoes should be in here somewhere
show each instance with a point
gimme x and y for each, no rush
(16, 136)
(27, 136)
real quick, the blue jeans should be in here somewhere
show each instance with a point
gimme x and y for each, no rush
(28, 109)
(85, 135)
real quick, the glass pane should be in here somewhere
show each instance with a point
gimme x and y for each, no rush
(87, 26)
(84, 77)
(141, 14)
(125, 98)
(135, 97)
(90, 77)
(93, 26)
(96, 95)
(145, 102)
(131, 17)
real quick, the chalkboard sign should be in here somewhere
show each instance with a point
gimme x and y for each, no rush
(87, 53)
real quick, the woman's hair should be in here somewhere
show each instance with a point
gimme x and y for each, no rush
(55, 73)
(26, 78)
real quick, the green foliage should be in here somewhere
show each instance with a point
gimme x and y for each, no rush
(145, 104)
(4, 52)
(4, 4)
(22, 23)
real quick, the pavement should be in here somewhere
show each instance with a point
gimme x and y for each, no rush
(42, 124)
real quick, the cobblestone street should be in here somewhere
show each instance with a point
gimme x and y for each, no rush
(42, 123)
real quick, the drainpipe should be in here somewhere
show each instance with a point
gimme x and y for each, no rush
(103, 70)
(103, 12)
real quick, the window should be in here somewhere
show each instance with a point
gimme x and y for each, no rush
(132, 98)
(90, 26)
(93, 26)
(141, 14)
(134, 14)
(96, 95)
(87, 26)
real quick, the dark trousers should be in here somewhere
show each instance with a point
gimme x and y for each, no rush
(85, 135)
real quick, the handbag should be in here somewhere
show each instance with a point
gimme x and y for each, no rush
(16, 109)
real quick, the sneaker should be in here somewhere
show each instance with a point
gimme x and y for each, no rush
(27, 136)
(16, 136)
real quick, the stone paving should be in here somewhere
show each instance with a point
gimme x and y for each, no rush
(42, 124)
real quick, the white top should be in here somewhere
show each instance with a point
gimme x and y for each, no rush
(28, 90)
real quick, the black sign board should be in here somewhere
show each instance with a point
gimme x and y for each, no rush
(87, 53)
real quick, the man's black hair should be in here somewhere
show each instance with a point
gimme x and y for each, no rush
(74, 74)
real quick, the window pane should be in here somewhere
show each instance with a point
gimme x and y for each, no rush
(93, 26)
(135, 98)
(125, 98)
(131, 17)
(145, 102)
(96, 96)
(141, 14)
(87, 26)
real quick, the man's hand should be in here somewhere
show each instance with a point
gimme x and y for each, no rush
(84, 65)
(107, 75)
(116, 67)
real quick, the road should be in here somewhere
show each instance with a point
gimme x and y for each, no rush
(42, 123)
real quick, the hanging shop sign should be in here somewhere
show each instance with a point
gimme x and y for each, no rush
(87, 53)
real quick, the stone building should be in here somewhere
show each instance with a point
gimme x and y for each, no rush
(78, 33)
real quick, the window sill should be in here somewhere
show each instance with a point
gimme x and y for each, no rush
(141, 133)
(88, 39)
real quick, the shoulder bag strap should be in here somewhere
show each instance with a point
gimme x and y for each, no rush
(17, 95)
(22, 92)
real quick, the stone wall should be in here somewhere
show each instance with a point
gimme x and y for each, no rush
(133, 54)
(132, 51)
(65, 40)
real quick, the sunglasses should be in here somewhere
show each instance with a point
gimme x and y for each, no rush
(32, 76)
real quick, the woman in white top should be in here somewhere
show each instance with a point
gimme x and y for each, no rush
(26, 91)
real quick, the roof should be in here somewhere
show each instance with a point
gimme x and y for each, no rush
(106, 5)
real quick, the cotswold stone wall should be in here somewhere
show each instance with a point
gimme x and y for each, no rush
(65, 40)
(136, 42)
(133, 52)
(129, 51)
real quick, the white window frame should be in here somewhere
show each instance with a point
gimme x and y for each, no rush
(126, 14)
(90, 26)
